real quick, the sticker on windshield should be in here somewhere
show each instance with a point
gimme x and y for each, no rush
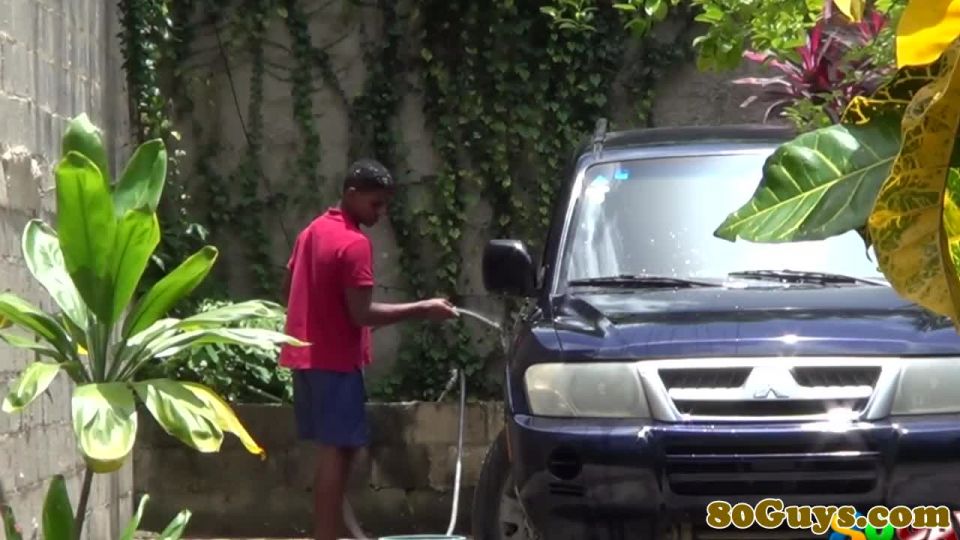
(621, 174)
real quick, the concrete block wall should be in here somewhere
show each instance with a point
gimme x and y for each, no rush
(57, 59)
(404, 485)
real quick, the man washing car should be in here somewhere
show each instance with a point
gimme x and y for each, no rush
(329, 287)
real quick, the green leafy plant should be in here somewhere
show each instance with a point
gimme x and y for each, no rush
(827, 75)
(889, 169)
(579, 15)
(103, 335)
(57, 518)
(240, 374)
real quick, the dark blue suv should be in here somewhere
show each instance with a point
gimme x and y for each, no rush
(658, 368)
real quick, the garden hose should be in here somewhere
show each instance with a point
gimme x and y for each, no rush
(455, 374)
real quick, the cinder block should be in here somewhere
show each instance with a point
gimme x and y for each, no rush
(495, 419)
(443, 466)
(406, 467)
(24, 24)
(47, 28)
(6, 19)
(23, 173)
(437, 423)
(18, 121)
(18, 71)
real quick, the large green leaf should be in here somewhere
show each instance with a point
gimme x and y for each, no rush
(87, 229)
(170, 290)
(176, 527)
(134, 524)
(141, 183)
(226, 418)
(105, 420)
(232, 314)
(138, 234)
(40, 347)
(25, 315)
(32, 382)
(131, 356)
(248, 337)
(825, 182)
(10, 527)
(181, 414)
(58, 521)
(84, 138)
(154, 331)
(75, 332)
(820, 184)
(41, 251)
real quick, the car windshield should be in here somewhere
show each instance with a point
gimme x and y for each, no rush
(657, 217)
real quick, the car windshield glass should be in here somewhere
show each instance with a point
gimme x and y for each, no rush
(657, 217)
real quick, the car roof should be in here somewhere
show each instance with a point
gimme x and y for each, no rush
(698, 134)
(693, 135)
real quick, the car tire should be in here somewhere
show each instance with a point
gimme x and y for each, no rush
(497, 515)
(493, 493)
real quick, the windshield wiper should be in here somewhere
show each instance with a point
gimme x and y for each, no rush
(639, 281)
(797, 276)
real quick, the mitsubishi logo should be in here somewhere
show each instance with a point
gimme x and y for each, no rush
(770, 382)
(764, 392)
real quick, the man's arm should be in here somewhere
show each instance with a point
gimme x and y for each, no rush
(365, 312)
(358, 290)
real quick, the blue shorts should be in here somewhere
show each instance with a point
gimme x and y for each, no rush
(330, 407)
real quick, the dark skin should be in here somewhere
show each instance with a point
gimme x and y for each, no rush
(333, 463)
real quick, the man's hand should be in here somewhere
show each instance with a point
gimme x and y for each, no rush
(438, 309)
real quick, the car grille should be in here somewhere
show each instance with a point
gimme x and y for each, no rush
(813, 376)
(764, 388)
(798, 467)
(704, 377)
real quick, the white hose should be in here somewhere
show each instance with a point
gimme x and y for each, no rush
(350, 518)
(456, 479)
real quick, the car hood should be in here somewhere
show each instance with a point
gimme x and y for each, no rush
(747, 321)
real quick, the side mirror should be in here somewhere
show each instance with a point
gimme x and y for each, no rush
(509, 269)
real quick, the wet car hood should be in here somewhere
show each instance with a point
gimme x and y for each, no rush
(747, 321)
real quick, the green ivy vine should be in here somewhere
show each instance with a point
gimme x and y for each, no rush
(151, 39)
(507, 94)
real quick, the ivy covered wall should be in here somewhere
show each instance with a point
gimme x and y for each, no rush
(475, 106)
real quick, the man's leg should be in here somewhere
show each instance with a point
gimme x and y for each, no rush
(331, 413)
(333, 469)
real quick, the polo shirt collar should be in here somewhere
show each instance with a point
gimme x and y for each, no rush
(338, 214)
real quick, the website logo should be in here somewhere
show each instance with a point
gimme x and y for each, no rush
(838, 532)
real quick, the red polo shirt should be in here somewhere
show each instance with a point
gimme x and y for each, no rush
(329, 256)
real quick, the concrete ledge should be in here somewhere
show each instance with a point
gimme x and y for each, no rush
(403, 486)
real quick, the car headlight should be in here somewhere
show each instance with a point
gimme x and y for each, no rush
(608, 390)
(928, 386)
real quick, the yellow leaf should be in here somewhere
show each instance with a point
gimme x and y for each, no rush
(926, 28)
(105, 422)
(911, 222)
(892, 97)
(81, 351)
(225, 417)
(853, 9)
